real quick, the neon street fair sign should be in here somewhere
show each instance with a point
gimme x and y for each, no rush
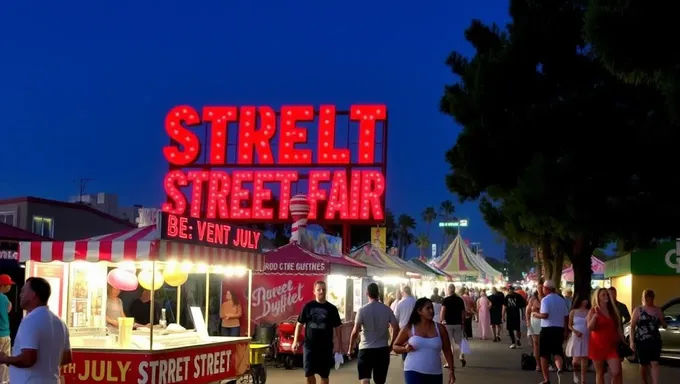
(211, 177)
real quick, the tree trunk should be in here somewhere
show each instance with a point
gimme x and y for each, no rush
(581, 253)
(557, 268)
(547, 258)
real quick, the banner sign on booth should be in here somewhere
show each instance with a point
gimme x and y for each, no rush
(9, 255)
(212, 233)
(198, 365)
(276, 298)
(379, 237)
(321, 243)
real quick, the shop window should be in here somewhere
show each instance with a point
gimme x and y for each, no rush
(43, 226)
(8, 218)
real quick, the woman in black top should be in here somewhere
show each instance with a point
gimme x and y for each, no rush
(645, 324)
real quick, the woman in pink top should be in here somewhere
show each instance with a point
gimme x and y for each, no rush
(483, 317)
(470, 311)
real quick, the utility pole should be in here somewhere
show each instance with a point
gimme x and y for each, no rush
(81, 189)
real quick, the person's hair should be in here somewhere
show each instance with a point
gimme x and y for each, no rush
(435, 290)
(40, 287)
(319, 282)
(407, 290)
(613, 311)
(234, 298)
(535, 294)
(415, 315)
(612, 289)
(511, 288)
(648, 294)
(576, 304)
(373, 291)
(463, 291)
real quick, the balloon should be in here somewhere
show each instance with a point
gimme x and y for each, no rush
(145, 278)
(122, 279)
(174, 276)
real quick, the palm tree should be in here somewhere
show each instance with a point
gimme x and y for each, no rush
(446, 210)
(423, 242)
(391, 235)
(405, 224)
(429, 215)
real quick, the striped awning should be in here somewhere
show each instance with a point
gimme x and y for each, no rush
(138, 244)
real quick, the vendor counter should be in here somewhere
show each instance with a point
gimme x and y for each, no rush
(177, 358)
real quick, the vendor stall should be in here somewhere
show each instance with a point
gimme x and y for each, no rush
(88, 276)
(656, 268)
(465, 266)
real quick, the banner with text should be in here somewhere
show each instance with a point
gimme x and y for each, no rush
(198, 365)
(276, 298)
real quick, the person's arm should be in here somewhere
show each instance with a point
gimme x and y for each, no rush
(400, 344)
(543, 312)
(28, 334)
(66, 356)
(397, 310)
(662, 319)
(571, 323)
(223, 312)
(633, 325)
(337, 330)
(302, 319)
(625, 314)
(462, 318)
(238, 312)
(122, 310)
(442, 314)
(527, 315)
(9, 306)
(358, 322)
(394, 324)
(446, 346)
(591, 319)
(503, 310)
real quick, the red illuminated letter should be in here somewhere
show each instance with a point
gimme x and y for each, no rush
(262, 194)
(250, 139)
(220, 117)
(367, 115)
(217, 198)
(373, 186)
(327, 152)
(291, 134)
(337, 202)
(239, 194)
(286, 178)
(197, 178)
(355, 197)
(173, 180)
(316, 194)
(184, 137)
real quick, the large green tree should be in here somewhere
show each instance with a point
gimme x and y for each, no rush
(519, 260)
(405, 225)
(562, 153)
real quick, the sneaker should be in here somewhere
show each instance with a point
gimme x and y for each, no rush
(576, 380)
(513, 346)
(552, 369)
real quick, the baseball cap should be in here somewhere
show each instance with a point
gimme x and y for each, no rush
(549, 284)
(6, 280)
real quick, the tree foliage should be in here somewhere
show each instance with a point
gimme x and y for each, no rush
(563, 154)
(519, 260)
(405, 225)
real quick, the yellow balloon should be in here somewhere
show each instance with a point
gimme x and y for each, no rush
(145, 278)
(174, 276)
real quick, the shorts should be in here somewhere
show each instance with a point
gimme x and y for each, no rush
(318, 362)
(648, 351)
(455, 333)
(496, 317)
(413, 377)
(514, 323)
(550, 342)
(534, 328)
(374, 363)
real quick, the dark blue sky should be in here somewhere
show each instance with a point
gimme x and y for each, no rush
(86, 84)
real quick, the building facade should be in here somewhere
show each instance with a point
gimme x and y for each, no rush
(108, 203)
(59, 220)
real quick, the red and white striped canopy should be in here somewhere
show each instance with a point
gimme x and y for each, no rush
(139, 244)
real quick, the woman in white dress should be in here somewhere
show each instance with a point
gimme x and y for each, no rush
(577, 346)
(534, 326)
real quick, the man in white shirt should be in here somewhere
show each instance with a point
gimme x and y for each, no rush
(553, 314)
(404, 309)
(42, 342)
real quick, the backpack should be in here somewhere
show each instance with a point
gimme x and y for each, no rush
(528, 362)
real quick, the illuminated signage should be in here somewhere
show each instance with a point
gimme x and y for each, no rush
(461, 223)
(269, 153)
(209, 232)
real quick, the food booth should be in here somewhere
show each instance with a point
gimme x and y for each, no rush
(86, 275)
(392, 278)
(656, 268)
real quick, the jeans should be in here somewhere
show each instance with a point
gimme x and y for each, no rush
(413, 377)
(230, 331)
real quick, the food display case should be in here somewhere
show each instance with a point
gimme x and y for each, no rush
(87, 276)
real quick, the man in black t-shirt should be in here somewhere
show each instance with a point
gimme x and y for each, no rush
(321, 321)
(512, 313)
(496, 313)
(453, 317)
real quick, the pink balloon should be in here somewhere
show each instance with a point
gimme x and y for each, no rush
(122, 279)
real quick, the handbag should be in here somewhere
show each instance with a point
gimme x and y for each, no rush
(623, 350)
(465, 346)
(528, 362)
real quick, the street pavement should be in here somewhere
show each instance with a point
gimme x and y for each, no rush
(489, 363)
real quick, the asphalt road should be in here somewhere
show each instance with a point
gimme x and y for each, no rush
(489, 363)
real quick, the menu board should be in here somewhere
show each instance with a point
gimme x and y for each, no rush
(55, 275)
(87, 295)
